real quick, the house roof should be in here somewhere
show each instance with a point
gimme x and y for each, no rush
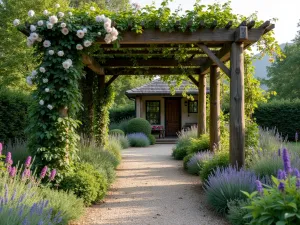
(159, 87)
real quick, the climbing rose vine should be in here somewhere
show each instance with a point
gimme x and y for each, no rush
(60, 38)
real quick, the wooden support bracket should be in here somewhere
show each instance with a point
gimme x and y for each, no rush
(193, 80)
(112, 79)
(91, 63)
(215, 59)
(241, 34)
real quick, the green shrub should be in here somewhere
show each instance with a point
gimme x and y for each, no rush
(186, 159)
(198, 144)
(195, 164)
(116, 132)
(116, 115)
(85, 182)
(139, 125)
(179, 152)
(220, 160)
(282, 114)
(13, 114)
(138, 140)
(18, 150)
(114, 146)
(152, 139)
(237, 212)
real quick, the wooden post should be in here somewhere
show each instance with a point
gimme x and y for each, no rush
(237, 119)
(138, 107)
(202, 105)
(214, 129)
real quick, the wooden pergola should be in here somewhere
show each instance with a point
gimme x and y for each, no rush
(208, 50)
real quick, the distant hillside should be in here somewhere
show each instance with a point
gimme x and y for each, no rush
(261, 65)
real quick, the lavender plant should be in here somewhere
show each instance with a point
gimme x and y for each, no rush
(138, 140)
(226, 184)
(280, 202)
(196, 162)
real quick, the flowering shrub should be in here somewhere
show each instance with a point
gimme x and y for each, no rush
(279, 203)
(225, 184)
(138, 140)
(196, 162)
(198, 144)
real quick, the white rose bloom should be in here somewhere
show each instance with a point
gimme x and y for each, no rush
(80, 33)
(87, 43)
(50, 107)
(53, 19)
(34, 73)
(51, 52)
(40, 23)
(42, 102)
(57, 6)
(107, 20)
(30, 42)
(60, 53)
(114, 38)
(63, 25)
(16, 22)
(49, 25)
(42, 70)
(70, 13)
(61, 14)
(108, 29)
(46, 44)
(46, 12)
(99, 33)
(34, 36)
(32, 28)
(108, 38)
(79, 47)
(65, 31)
(85, 30)
(40, 39)
(107, 25)
(45, 80)
(31, 13)
(114, 32)
(47, 89)
(29, 80)
(67, 64)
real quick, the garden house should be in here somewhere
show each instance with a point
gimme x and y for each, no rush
(167, 112)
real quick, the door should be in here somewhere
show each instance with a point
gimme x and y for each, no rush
(173, 116)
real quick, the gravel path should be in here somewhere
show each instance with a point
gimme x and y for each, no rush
(152, 188)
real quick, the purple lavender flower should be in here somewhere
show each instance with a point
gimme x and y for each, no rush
(52, 175)
(41, 222)
(8, 159)
(195, 163)
(43, 172)
(298, 183)
(259, 186)
(281, 186)
(1, 147)
(28, 161)
(296, 173)
(279, 152)
(286, 161)
(13, 172)
(281, 175)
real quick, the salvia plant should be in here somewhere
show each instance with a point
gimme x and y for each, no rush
(280, 202)
(224, 185)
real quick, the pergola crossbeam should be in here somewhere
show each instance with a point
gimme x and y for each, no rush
(91, 63)
(215, 59)
(151, 71)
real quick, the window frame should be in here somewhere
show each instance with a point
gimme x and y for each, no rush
(195, 101)
(158, 113)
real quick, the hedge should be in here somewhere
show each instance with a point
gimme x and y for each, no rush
(13, 114)
(116, 115)
(282, 114)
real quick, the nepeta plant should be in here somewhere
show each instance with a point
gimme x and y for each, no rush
(195, 163)
(138, 140)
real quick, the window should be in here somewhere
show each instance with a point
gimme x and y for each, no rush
(153, 112)
(193, 107)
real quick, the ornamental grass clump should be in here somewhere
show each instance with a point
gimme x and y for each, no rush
(195, 163)
(278, 203)
(226, 184)
(138, 140)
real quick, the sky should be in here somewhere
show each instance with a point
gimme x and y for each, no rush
(286, 11)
